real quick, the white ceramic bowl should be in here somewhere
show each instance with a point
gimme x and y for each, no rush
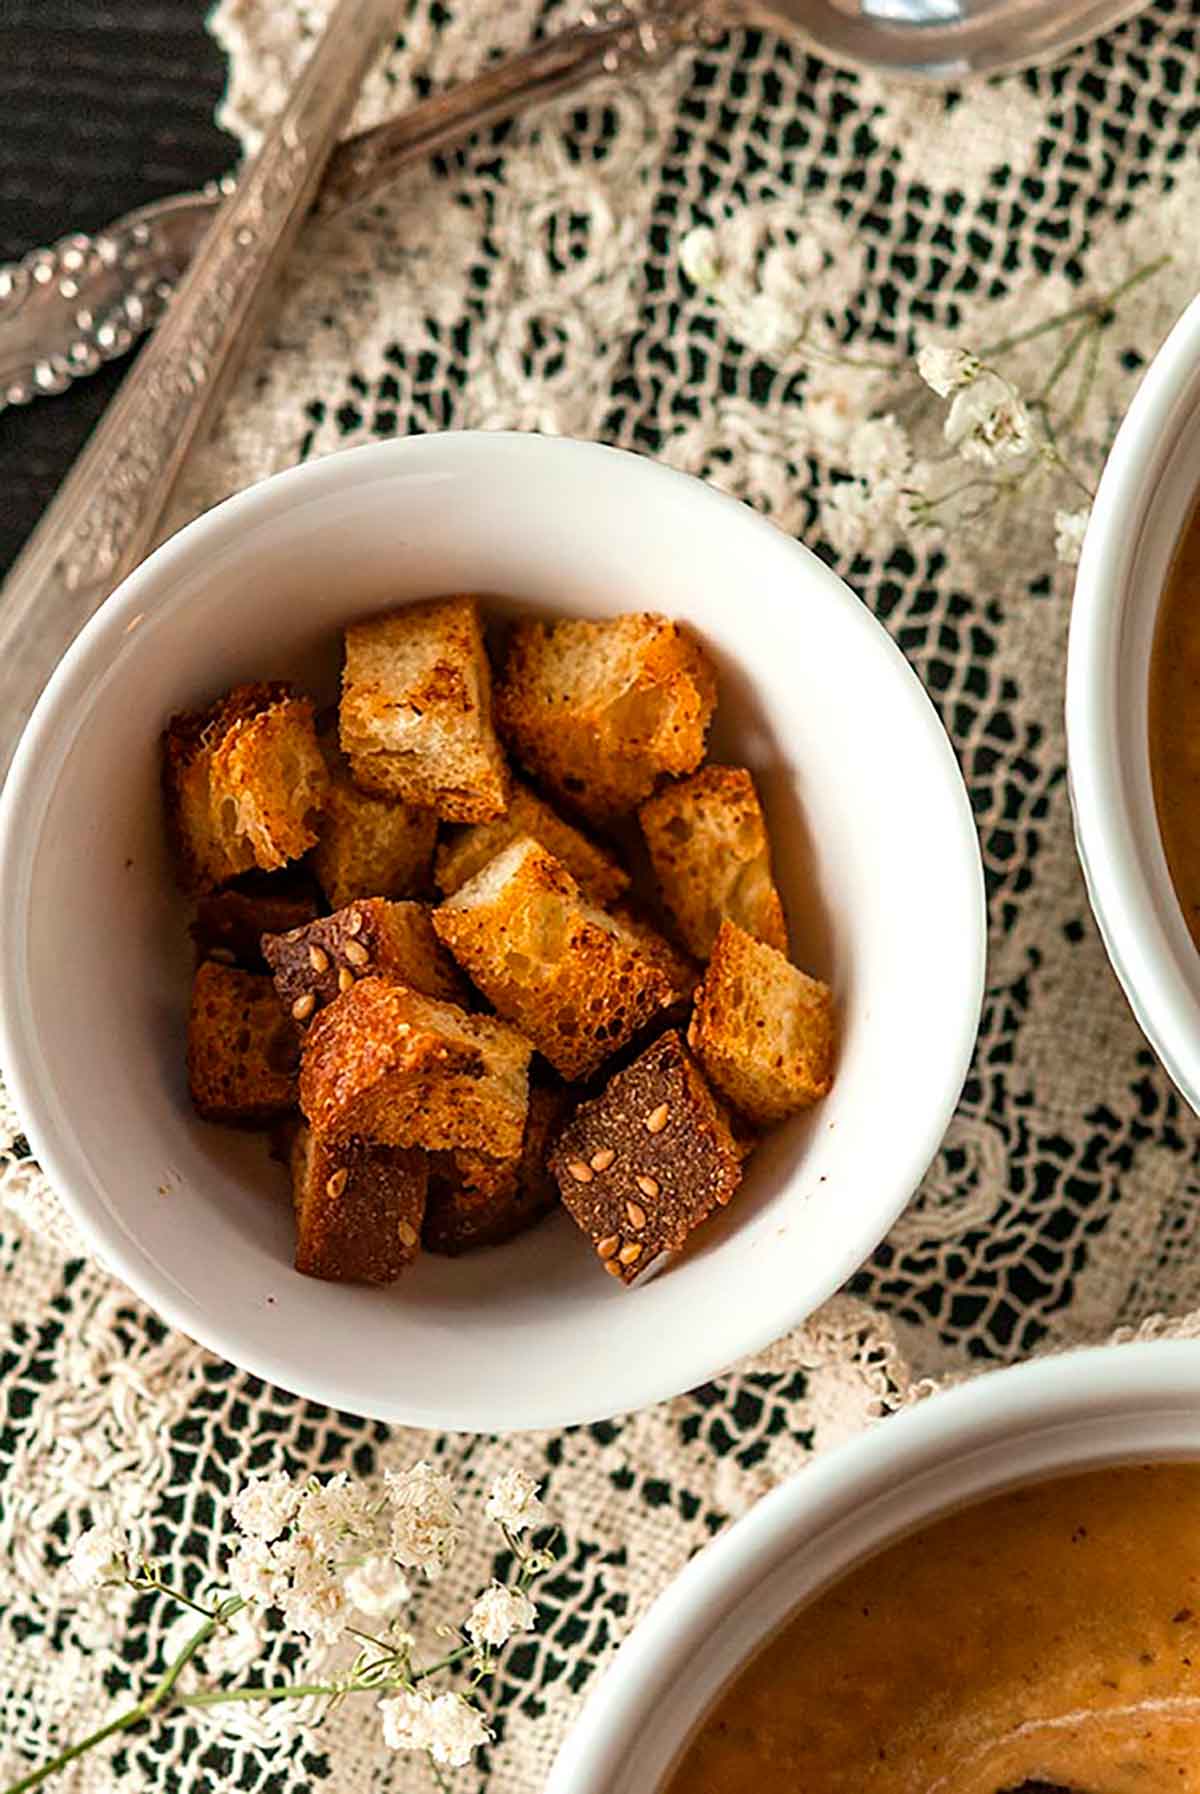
(1146, 492)
(877, 858)
(1115, 1404)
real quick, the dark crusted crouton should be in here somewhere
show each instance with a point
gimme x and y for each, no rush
(242, 1050)
(762, 1030)
(369, 846)
(371, 938)
(647, 1160)
(392, 1066)
(359, 1208)
(600, 711)
(476, 1200)
(597, 873)
(708, 844)
(230, 924)
(415, 718)
(243, 781)
(575, 981)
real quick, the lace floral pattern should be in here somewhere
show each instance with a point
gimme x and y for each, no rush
(535, 280)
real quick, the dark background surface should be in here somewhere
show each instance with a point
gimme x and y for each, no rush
(104, 107)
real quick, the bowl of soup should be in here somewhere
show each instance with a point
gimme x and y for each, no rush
(997, 1590)
(1133, 705)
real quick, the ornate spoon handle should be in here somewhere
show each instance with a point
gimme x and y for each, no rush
(65, 310)
(107, 514)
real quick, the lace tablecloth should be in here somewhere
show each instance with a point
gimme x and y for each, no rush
(533, 281)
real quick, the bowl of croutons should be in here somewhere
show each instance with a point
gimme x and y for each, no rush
(493, 931)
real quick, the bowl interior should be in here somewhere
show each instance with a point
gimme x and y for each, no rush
(876, 856)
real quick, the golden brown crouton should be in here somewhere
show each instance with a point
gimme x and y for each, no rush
(416, 712)
(359, 1208)
(709, 848)
(597, 873)
(244, 781)
(647, 1160)
(762, 1030)
(371, 938)
(682, 973)
(391, 1066)
(576, 982)
(600, 711)
(477, 1200)
(369, 846)
(242, 1050)
(230, 924)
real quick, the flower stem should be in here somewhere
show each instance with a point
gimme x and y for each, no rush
(279, 1691)
(1087, 308)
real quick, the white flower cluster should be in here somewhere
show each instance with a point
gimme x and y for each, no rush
(775, 274)
(100, 1556)
(449, 1727)
(513, 1503)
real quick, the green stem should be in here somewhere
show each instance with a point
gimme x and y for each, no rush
(151, 1584)
(1087, 308)
(280, 1691)
(1070, 351)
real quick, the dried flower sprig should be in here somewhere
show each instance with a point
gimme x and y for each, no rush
(864, 415)
(323, 1555)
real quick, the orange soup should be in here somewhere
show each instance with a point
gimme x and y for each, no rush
(1048, 1636)
(1175, 723)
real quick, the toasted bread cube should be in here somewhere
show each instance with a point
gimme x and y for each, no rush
(762, 1030)
(647, 1160)
(600, 711)
(230, 924)
(242, 1050)
(244, 782)
(599, 876)
(394, 1067)
(359, 1208)
(369, 846)
(682, 973)
(416, 711)
(476, 1200)
(708, 845)
(371, 938)
(578, 984)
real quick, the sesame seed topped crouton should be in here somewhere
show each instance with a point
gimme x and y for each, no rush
(359, 1207)
(371, 938)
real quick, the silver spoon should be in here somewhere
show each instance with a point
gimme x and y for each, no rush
(66, 310)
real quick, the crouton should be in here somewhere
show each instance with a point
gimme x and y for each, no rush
(230, 924)
(359, 1208)
(242, 1050)
(762, 1030)
(578, 984)
(244, 781)
(597, 873)
(641, 1165)
(682, 973)
(372, 938)
(416, 714)
(369, 846)
(600, 711)
(476, 1200)
(400, 1069)
(709, 849)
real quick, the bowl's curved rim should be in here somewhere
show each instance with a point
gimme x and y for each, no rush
(1021, 1400)
(35, 764)
(1119, 890)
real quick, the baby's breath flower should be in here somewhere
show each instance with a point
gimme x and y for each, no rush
(513, 1502)
(406, 1721)
(376, 1586)
(498, 1615)
(456, 1730)
(263, 1508)
(846, 516)
(1070, 527)
(945, 369)
(255, 1573)
(698, 257)
(836, 402)
(332, 1511)
(426, 1521)
(100, 1556)
(988, 423)
(879, 449)
(316, 1603)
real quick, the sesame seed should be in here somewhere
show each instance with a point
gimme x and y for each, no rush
(318, 959)
(629, 1255)
(354, 921)
(613, 1268)
(337, 1183)
(580, 1172)
(356, 953)
(303, 1007)
(648, 1186)
(603, 1159)
(607, 1248)
(656, 1121)
(636, 1213)
(224, 956)
(408, 1235)
(345, 978)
